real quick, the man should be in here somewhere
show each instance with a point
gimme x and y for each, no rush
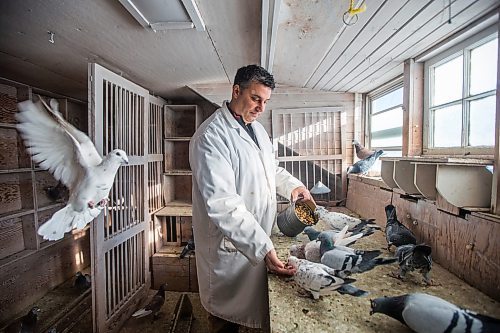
(235, 180)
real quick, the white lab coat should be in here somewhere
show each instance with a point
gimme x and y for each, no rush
(234, 209)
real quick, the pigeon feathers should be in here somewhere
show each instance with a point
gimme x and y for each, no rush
(316, 278)
(424, 313)
(395, 232)
(154, 305)
(72, 158)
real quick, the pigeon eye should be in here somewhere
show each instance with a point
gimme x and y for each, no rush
(117, 154)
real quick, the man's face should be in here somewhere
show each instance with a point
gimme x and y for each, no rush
(249, 103)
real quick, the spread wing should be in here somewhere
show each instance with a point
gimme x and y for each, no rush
(55, 144)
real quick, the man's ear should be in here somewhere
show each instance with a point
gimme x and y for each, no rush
(236, 91)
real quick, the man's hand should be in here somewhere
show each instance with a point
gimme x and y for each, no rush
(301, 192)
(274, 265)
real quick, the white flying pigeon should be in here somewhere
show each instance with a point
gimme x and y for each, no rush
(73, 160)
(316, 278)
(425, 313)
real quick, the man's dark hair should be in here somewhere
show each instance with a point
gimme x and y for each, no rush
(253, 73)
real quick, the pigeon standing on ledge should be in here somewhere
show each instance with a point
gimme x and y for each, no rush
(82, 282)
(25, 324)
(425, 313)
(364, 165)
(71, 157)
(190, 247)
(361, 152)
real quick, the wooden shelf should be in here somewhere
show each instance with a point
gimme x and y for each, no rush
(16, 213)
(176, 208)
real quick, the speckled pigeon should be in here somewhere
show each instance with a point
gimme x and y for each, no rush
(71, 157)
(425, 313)
(396, 233)
(316, 278)
(346, 259)
(412, 257)
(337, 221)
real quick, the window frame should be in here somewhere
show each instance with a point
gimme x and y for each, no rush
(461, 49)
(385, 89)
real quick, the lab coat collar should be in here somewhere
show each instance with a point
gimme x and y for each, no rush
(234, 124)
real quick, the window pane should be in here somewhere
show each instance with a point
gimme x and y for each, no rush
(388, 119)
(388, 101)
(447, 85)
(448, 126)
(483, 67)
(386, 128)
(482, 122)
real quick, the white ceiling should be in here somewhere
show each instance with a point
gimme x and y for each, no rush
(310, 44)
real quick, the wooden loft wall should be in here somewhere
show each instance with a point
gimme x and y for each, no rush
(25, 258)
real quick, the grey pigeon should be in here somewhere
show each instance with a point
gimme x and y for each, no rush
(343, 258)
(309, 251)
(396, 233)
(313, 234)
(71, 157)
(316, 278)
(190, 247)
(154, 306)
(337, 221)
(82, 281)
(25, 324)
(361, 151)
(364, 165)
(412, 257)
(424, 313)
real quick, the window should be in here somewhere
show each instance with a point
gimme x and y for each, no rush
(385, 120)
(460, 97)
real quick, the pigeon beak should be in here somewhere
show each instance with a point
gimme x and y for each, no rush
(125, 161)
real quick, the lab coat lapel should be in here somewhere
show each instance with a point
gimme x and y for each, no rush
(243, 134)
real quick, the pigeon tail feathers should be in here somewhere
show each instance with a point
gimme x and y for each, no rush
(64, 220)
(141, 313)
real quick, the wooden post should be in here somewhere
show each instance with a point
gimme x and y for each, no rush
(495, 194)
(413, 108)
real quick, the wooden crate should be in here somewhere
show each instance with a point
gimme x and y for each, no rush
(176, 155)
(177, 188)
(179, 274)
(180, 120)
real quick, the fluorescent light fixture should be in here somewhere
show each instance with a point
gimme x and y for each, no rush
(165, 14)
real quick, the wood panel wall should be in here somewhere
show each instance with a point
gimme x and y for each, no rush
(30, 266)
(468, 245)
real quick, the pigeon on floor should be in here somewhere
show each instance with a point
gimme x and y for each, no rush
(425, 313)
(396, 233)
(337, 221)
(190, 247)
(74, 161)
(412, 257)
(361, 151)
(25, 324)
(363, 166)
(154, 306)
(343, 258)
(82, 281)
(317, 279)
(350, 237)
